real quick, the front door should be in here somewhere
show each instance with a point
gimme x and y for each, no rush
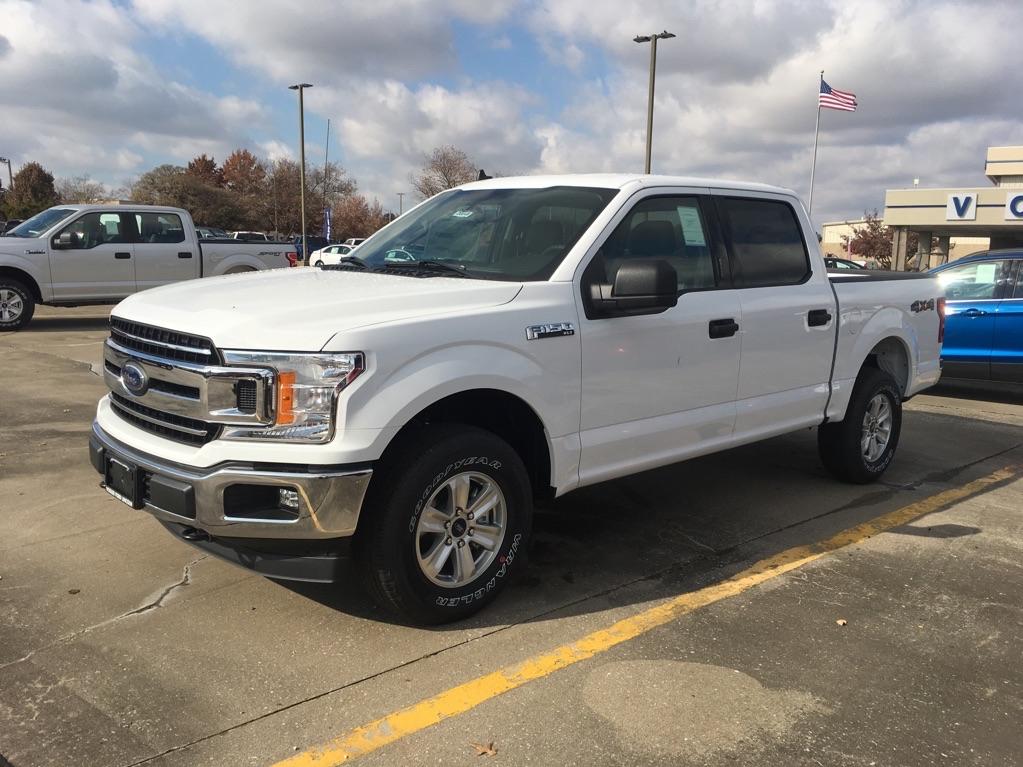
(96, 262)
(788, 317)
(972, 294)
(658, 388)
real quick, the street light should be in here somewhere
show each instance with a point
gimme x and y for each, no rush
(652, 39)
(301, 138)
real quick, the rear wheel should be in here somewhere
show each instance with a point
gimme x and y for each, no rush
(446, 524)
(318, 263)
(239, 270)
(860, 448)
(16, 305)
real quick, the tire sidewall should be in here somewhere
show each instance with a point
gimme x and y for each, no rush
(885, 385)
(28, 304)
(480, 453)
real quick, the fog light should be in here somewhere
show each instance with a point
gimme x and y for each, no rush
(287, 499)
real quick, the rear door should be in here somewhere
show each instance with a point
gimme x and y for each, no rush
(1007, 338)
(163, 253)
(97, 264)
(788, 316)
(973, 292)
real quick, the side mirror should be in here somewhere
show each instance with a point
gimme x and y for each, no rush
(63, 241)
(647, 286)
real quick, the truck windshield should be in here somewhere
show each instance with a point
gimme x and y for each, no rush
(519, 235)
(40, 222)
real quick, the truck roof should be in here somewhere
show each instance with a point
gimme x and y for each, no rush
(121, 204)
(621, 181)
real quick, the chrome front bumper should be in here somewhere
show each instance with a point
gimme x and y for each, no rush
(330, 498)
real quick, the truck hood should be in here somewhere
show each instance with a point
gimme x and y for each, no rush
(301, 309)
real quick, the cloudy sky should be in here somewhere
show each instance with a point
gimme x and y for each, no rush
(110, 88)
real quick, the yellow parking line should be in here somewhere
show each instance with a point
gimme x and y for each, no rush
(464, 697)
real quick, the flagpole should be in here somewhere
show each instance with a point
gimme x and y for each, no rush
(816, 133)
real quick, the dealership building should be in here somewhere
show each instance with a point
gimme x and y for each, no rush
(972, 215)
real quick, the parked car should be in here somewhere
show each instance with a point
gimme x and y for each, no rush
(331, 254)
(95, 254)
(355, 241)
(211, 233)
(315, 243)
(510, 339)
(984, 316)
(250, 236)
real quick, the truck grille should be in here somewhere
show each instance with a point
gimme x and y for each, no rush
(162, 343)
(179, 428)
(171, 384)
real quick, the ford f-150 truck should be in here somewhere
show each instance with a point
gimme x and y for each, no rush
(506, 341)
(71, 255)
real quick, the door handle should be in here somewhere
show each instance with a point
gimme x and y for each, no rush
(974, 313)
(184, 254)
(725, 328)
(815, 318)
(122, 255)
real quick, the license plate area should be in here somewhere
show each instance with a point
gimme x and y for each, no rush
(122, 480)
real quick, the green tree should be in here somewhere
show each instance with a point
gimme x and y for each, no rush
(173, 185)
(31, 191)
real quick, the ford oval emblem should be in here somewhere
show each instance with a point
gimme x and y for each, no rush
(134, 379)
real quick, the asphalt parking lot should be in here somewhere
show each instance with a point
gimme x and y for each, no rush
(742, 608)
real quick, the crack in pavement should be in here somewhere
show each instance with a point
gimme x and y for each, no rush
(703, 565)
(150, 604)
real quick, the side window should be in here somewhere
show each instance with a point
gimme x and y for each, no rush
(1019, 279)
(95, 229)
(667, 228)
(159, 228)
(767, 243)
(977, 281)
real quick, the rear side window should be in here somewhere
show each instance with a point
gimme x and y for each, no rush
(976, 281)
(766, 241)
(159, 227)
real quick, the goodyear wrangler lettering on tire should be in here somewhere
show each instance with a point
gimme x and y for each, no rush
(447, 520)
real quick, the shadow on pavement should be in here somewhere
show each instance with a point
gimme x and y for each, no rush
(683, 526)
(63, 324)
(989, 391)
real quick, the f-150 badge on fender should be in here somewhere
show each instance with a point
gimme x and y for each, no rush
(549, 330)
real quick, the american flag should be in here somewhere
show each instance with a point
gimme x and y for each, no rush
(832, 98)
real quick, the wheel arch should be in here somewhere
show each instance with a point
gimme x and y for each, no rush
(14, 273)
(500, 412)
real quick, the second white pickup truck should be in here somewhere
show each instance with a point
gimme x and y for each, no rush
(508, 340)
(71, 255)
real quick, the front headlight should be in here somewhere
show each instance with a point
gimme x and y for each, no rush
(306, 387)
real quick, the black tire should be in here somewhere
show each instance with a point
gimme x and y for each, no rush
(318, 263)
(23, 301)
(412, 474)
(840, 443)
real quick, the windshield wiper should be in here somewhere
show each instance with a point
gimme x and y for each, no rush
(347, 262)
(425, 267)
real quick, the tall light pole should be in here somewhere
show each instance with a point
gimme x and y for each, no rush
(652, 39)
(301, 138)
(401, 202)
(10, 178)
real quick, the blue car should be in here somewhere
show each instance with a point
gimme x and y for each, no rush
(984, 316)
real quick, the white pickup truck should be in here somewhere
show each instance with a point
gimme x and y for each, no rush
(509, 340)
(71, 255)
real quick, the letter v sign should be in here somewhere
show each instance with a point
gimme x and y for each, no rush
(961, 207)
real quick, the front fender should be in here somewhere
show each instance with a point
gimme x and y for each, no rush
(36, 266)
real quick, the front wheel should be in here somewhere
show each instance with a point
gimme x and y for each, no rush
(16, 305)
(446, 523)
(318, 263)
(860, 448)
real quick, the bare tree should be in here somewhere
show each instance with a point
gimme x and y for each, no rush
(81, 189)
(444, 168)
